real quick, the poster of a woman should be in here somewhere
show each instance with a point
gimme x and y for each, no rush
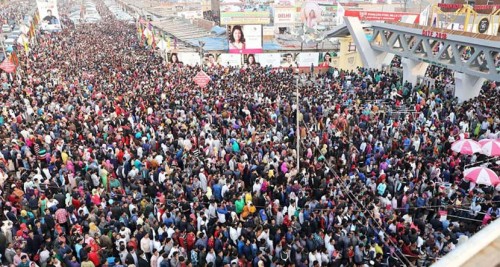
(326, 59)
(311, 14)
(237, 38)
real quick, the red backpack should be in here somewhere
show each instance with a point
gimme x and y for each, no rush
(190, 240)
(211, 242)
(182, 240)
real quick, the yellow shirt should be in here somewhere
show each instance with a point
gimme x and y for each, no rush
(248, 198)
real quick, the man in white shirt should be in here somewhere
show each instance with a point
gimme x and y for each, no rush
(256, 187)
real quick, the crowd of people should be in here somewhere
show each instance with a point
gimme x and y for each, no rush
(112, 157)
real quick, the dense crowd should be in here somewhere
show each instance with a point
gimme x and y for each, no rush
(110, 157)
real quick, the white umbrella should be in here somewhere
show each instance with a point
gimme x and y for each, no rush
(481, 175)
(490, 147)
(466, 146)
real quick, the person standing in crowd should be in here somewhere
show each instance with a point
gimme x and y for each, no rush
(126, 161)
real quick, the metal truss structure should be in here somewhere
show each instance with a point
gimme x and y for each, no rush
(476, 55)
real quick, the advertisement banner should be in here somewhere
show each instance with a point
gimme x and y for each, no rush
(327, 59)
(191, 14)
(230, 60)
(190, 58)
(268, 30)
(242, 18)
(173, 58)
(284, 16)
(307, 59)
(49, 15)
(311, 14)
(378, 16)
(319, 16)
(483, 25)
(245, 39)
(211, 59)
(269, 59)
(288, 60)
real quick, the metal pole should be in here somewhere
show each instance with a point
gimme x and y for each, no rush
(298, 125)
(3, 48)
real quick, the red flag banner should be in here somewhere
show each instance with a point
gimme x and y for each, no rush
(14, 59)
(201, 79)
(8, 66)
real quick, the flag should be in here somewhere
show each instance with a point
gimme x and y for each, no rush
(26, 47)
(36, 19)
(168, 43)
(153, 43)
(32, 30)
(139, 29)
(14, 59)
(150, 40)
(424, 16)
(340, 14)
(143, 36)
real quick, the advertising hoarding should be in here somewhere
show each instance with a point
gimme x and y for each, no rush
(288, 60)
(211, 59)
(242, 18)
(307, 59)
(190, 58)
(311, 14)
(244, 39)
(229, 59)
(49, 15)
(378, 15)
(327, 59)
(269, 59)
(285, 16)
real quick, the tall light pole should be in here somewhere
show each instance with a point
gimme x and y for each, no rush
(298, 120)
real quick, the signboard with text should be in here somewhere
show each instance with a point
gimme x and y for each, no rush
(242, 18)
(378, 16)
(285, 16)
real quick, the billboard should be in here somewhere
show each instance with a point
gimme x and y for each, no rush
(285, 16)
(173, 58)
(190, 58)
(269, 59)
(318, 15)
(307, 59)
(288, 60)
(49, 15)
(326, 59)
(284, 2)
(310, 14)
(378, 15)
(244, 39)
(242, 18)
(211, 59)
(229, 59)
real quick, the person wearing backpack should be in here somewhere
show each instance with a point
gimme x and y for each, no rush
(190, 240)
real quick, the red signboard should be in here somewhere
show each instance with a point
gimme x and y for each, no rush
(476, 7)
(378, 16)
(450, 6)
(201, 79)
(8, 66)
(439, 35)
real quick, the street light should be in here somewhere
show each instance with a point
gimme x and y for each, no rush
(297, 119)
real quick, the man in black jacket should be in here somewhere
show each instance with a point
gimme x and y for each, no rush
(143, 261)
